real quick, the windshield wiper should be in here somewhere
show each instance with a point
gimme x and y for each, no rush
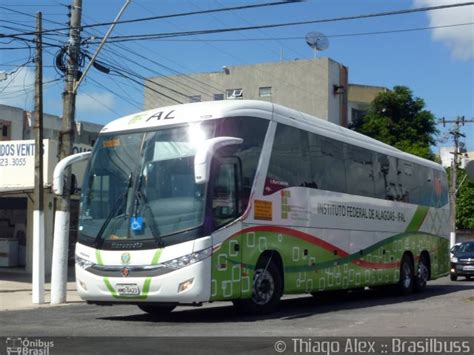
(148, 213)
(115, 209)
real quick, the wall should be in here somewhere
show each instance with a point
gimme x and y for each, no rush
(360, 97)
(304, 85)
(15, 117)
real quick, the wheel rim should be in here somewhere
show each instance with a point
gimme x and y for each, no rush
(407, 276)
(422, 272)
(263, 286)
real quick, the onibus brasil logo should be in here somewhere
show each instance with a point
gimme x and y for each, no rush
(26, 346)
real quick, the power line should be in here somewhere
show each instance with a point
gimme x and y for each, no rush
(30, 15)
(267, 35)
(194, 83)
(182, 14)
(175, 82)
(101, 103)
(121, 72)
(129, 100)
(340, 35)
(27, 5)
(257, 27)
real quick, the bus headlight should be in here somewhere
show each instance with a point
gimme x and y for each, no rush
(83, 263)
(186, 260)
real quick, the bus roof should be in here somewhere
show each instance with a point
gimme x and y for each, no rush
(207, 110)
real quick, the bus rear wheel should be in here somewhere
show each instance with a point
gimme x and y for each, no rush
(156, 310)
(422, 274)
(267, 289)
(407, 278)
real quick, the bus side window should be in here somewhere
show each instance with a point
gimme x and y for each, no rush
(290, 163)
(387, 184)
(359, 170)
(252, 130)
(331, 165)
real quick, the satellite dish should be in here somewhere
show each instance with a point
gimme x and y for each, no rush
(317, 41)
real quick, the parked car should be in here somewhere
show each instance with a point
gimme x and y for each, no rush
(453, 249)
(462, 261)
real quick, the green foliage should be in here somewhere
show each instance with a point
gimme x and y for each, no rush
(465, 203)
(397, 118)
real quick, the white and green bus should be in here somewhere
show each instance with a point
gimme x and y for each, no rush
(246, 201)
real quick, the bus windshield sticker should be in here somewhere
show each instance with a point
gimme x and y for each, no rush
(136, 223)
(111, 143)
(263, 210)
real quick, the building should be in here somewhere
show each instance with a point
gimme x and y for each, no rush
(446, 156)
(360, 97)
(17, 182)
(317, 87)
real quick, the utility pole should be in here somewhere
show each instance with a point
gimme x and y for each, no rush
(38, 214)
(61, 224)
(456, 134)
(66, 139)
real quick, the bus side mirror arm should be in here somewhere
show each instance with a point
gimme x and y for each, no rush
(58, 174)
(204, 154)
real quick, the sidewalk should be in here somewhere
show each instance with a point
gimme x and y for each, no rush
(15, 290)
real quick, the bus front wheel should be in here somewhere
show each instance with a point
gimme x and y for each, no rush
(267, 289)
(407, 278)
(156, 310)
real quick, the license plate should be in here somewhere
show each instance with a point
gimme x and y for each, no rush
(127, 289)
(468, 267)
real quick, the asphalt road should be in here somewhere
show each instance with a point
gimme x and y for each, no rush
(445, 308)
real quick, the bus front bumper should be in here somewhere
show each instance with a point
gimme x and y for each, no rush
(187, 285)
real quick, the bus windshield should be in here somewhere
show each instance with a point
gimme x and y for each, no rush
(140, 186)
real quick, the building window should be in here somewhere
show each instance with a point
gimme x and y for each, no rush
(357, 115)
(5, 129)
(231, 94)
(265, 91)
(195, 98)
(218, 97)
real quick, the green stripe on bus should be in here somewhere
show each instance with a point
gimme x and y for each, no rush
(110, 287)
(418, 218)
(98, 257)
(156, 257)
(146, 287)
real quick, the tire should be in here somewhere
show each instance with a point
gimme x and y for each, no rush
(407, 278)
(156, 310)
(422, 274)
(267, 289)
(453, 277)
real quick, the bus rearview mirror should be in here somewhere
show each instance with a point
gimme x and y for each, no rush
(204, 154)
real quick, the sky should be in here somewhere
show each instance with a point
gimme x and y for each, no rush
(437, 64)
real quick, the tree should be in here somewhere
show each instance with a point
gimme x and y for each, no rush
(397, 118)
(465, 202)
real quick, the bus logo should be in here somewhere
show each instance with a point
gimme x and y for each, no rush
(135, 119)
(125, 272)
(125, 258)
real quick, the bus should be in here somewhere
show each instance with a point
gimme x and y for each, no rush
(247, 201)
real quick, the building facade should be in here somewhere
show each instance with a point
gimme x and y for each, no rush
(360, 97)
(17, 182)
(317, 87)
